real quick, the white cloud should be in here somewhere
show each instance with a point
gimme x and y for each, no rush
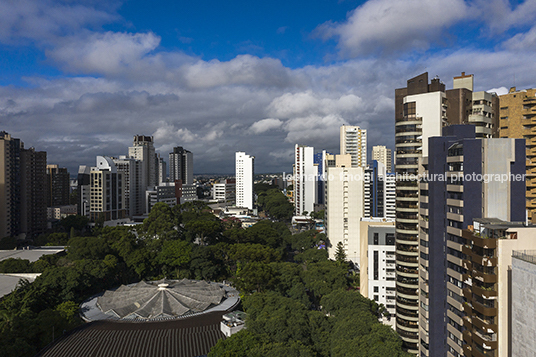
(107, 53)
(386, 26)
(46, 20)
(522, 41)
(264, 125)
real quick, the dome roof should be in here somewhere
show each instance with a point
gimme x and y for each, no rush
(160, 299)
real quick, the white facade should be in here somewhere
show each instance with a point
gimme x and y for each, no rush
(432, 113)
(225, 191)
(107, 191)
(381, 266)
(305, 179)
(344, 207)
(353, 141)
(390, 195)
(382, 154)
(244, 171)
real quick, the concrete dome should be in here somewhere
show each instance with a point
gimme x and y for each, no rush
(162, 299)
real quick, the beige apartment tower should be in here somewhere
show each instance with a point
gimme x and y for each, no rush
(384, 155)
(353, 141)
(518, 120)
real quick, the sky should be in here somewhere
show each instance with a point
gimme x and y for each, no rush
(80, 78)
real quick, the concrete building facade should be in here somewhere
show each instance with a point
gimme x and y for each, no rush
(344, 206)
(244, 173)
(523, 303)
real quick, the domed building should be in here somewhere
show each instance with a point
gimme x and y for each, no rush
(160, 300)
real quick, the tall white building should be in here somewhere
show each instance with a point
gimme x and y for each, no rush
(305, 179)
(353, 141)
(244, 171)
(107, 191)
(181, 166)
(382, 154)
(344, 205)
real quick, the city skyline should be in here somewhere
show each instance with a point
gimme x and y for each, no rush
(80, 79)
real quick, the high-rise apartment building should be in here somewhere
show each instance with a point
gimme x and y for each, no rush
(465, 106)
(465, 178)
(84, 190)
(162, 169)
(58, 186)
(319, 161)
(420, 113)
(421, 110)
(380, 191)
(244, 171)
(344, 206)
(107, 191)
(131, 171)
(518, 120)
(181, 166)
(10, 182)
(384, 155)
(23, 189)
(33, 193)
(143, 149)
(353, 141)
(487, 247)
(377, 268)
(305, 179)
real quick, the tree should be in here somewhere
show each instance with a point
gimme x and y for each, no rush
(340, 254)
(74, 221)
(175, 255)
(161, 222)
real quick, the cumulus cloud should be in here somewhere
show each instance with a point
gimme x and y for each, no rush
(500, 15)
(265, 125)
(387, 26)
(46, 20)
(244, 69)
(105, 53)
(522, 41)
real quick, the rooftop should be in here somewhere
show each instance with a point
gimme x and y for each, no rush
(30, 253)
(175, 338)
(526, 255)
(160, 300)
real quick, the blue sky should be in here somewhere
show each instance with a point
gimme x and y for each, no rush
(80, 78)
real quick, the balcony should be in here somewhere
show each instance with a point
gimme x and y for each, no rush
(486, 293)
(484, 310)
(487, 341)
